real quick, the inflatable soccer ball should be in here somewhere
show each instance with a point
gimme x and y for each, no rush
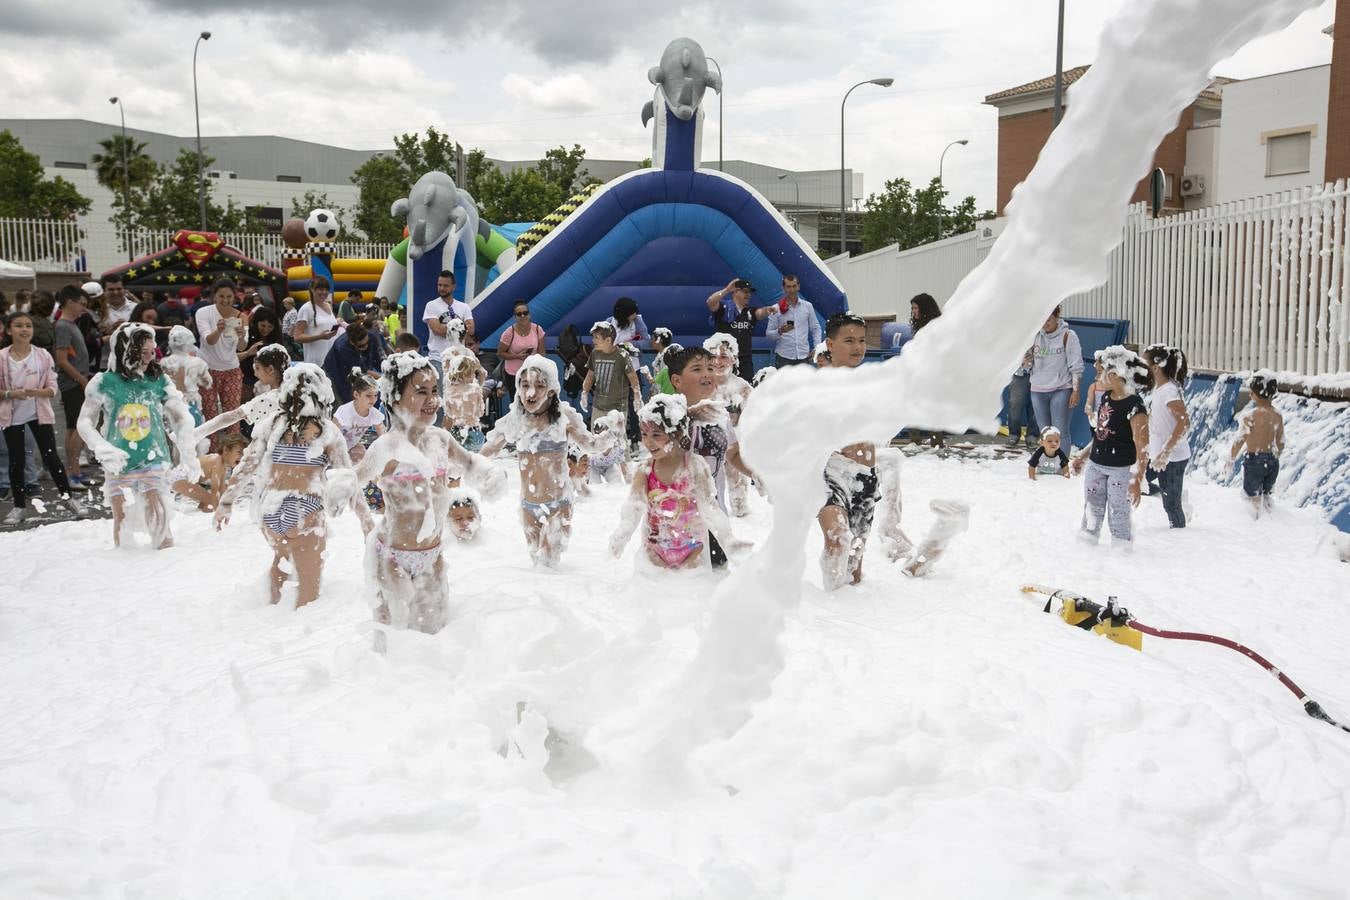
(322, 225)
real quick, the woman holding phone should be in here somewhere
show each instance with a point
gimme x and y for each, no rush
(221, 329)
(317, 325)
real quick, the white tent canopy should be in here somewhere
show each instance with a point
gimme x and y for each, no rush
(14, 270)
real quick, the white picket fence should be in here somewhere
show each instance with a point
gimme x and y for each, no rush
(1257, 283)
(52, 245)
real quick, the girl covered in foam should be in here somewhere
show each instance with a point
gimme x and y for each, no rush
(733, 391)
(298, 467)
(541, 427)
(189, 372)
(140, 410)
(412, 463)
(464, 402)
(674, 489)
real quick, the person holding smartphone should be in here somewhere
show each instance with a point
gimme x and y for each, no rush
(221, 328)
(793, 326)
(317, 325)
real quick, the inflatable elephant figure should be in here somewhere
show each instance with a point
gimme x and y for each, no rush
(681, 80)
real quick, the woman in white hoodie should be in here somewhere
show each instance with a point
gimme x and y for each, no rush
(1056, 369)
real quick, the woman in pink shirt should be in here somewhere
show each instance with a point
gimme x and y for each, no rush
(521, 341)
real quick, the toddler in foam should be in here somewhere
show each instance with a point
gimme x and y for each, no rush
(1049, 457)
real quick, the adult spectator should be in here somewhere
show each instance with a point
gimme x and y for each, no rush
(221, 329)
(521, 341)
(71, 355)
(316, 326)
(1056, 369)
(793, 326)
(93, 335)
(146, 314)
(441, 310)
(355, 348)
(264, 329)
(1019, 406)
(629, 328)
(115, 310)
(42, 307)
(174, 310)
(733, 315)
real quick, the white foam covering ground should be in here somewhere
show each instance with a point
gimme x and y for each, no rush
(168, 734)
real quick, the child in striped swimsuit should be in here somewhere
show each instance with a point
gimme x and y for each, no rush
(299, 465)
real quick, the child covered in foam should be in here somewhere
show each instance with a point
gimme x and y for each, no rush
(464, 402)
(732, 391)
(542, 427)
(1049, 457)
(674, 490)
(189, 372)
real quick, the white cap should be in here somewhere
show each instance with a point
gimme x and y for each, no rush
(92, 289)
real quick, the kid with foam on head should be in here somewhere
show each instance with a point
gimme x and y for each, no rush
(464, 402)
(465, 517)
(1118, 451)
(608, 430)
(140, 410)
(269, 365)
(411, 464)
(610, 371)
(733, 391)
(674, 490)
(541, 427)
(189, 372)
(358, 419)
(300, 472)
(1168, 422)
(1049, 457)
(1261, 436)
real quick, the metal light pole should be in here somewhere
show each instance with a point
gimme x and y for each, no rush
(197, 113)
(1059, 69)
(720, 103)
(798, 205)
(126, 180)
(942, 187)
(843, 190)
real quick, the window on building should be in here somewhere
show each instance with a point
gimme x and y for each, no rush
(290, 178)
(70, 165)
(1288, 154)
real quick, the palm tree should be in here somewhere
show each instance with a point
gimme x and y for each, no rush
(108, 164)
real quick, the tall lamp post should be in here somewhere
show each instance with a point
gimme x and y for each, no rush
(843, 190)
(720, 103)
(1059, 69)
(797, 205)
(197, 113)
(942, 211)
(126, 180)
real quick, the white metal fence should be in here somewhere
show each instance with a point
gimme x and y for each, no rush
(52, 245)
(1258, 283)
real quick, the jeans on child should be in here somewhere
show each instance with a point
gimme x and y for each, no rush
(1258, 473)
(1020, 409)
(30, 466)
(1052, 408)
(1169, 482)
(1106, 494)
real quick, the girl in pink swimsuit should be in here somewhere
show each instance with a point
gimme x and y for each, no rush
(674, 491)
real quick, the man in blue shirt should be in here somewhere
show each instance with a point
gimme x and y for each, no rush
(354, 348)
(793, 326)
(733, 315)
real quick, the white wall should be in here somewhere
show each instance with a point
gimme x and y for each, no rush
(1259, 105)
(1202, 158)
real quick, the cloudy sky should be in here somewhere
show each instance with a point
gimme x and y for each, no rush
(518, 76)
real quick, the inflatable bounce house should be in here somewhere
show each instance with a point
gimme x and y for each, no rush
(667, 236)
(195, 259)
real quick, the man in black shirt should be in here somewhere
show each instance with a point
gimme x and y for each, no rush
(733, 315)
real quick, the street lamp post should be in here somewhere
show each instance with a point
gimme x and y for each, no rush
(942, 187)
(197, 113)
(1059, 69)
(797, 206)
(843, 190)
(721, 93)
(126, 180)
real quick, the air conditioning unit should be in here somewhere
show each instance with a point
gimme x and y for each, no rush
(1192, 185)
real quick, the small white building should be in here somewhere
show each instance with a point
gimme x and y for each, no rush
(1271, 137)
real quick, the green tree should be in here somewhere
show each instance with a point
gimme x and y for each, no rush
(169, 201)
(301, 207)
(419, 155)
(562, 167)
(26, 194)
(908, 217)
(522, 196)
(108, 164)
(380, 181)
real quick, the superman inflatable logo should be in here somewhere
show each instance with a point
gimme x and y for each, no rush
(197, 246)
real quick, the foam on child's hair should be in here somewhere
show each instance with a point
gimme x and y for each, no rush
(1049, 431)
(721, 344)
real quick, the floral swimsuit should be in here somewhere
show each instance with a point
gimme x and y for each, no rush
(673, 520)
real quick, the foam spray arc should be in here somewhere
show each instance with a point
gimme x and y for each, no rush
(1064, 221)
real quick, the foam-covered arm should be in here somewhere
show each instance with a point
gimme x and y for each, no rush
(109, 457)
(489, 480)
(705, 491)
(630, 514)
(340, 484)
(219, 423)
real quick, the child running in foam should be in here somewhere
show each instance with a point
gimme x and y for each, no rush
(1168, 422)
(464, 403)
(301, 473)
(674, 490)
(189, 372)
(359, 420)
(733, 391)
(1049, 456)
(1118, 450)
(411, 464)
(541, 427)
(140, 410)
(608, 430)
(206, 491)
(1262, 438)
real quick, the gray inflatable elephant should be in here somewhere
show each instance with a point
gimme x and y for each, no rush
(432, 208)
(683, 77)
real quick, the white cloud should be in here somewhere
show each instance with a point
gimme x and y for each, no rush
(572, 92)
